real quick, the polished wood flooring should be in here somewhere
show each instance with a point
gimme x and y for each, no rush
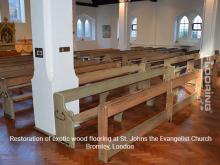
(191, 121)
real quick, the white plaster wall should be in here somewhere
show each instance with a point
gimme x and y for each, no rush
(156, 21)
(145, 13)
(22, 29)
(107, 15)
(167, 12)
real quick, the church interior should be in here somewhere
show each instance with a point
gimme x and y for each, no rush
(92, 82)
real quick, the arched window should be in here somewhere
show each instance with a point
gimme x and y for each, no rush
(79, 29)
(184, 27)
(88, 29)
(133, 35)
(197, 27)
(85, 28)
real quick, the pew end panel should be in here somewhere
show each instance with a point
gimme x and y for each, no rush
(65, 126)
(7, 105)
(9, 84)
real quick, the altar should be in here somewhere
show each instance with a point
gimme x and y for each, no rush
(7, 35)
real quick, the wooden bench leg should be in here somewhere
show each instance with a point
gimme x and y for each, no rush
(103, 132)
(145, 85)
(119, 117)
(132, 89)
(176, 91)
(170, 95)
(169, 105)
(150, 102)
(198, 87)
(64, 125)
(103, 98)
(171, 73)
(8, 107)
(8, 104)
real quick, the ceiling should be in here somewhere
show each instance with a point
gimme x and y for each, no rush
(96, 3)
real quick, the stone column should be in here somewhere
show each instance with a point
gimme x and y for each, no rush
(52, 30)
(209, 25)
(123, 43)
(74, 25)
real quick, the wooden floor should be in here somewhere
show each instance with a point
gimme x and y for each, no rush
(189, 122)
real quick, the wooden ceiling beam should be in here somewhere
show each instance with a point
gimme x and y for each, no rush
(86, 4)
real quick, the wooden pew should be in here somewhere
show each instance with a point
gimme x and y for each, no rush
(11, 72)
(16, 59)
(101, 55)
(9, 53)
(93, 53)
(100, 75)
(137, 48)
(14, 68)
(80, 63)
(15, 74)
(10, 83)
(166, 62)
(124, 103)
(133, 55)
(16, 65)
(66, 127)
(95, 67)
(103, 87)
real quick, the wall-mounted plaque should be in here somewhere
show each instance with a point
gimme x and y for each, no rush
(64, 49)
(39, 53)
(106, 31)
